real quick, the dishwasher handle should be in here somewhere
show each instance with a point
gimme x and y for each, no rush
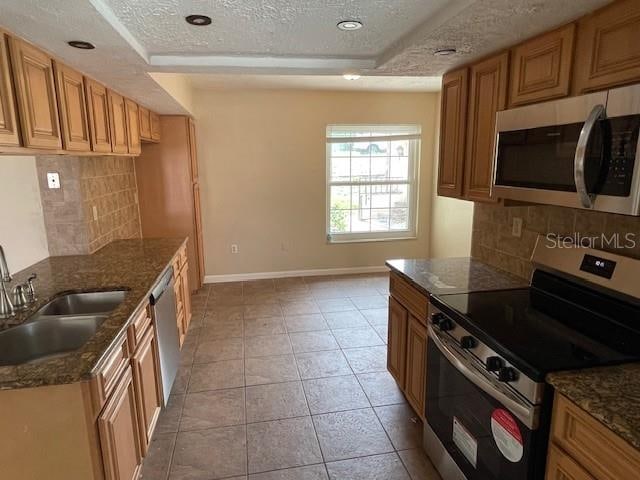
(163, 284)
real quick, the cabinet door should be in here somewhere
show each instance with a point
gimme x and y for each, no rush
(155, 127)
(186, 297)
(193, 152)
(198, 235)
(72, 103)
(561, 466)
(36, 94)
(416, 365)
(98, 109)
(118, 122)
(133, 127)
(607, 50)
(488, 95)
(397, 341)
(119, 435)
(541, 67)
(8, 119)
(146, 380)
(145, 123)
(179, 291)
(453, 125)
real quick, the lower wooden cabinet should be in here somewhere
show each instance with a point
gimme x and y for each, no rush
(186, 297)
(146, 379)
(119, 433)
(561, 466)
(397, 341)
(407, 342)
(183, 292)
(416, 376)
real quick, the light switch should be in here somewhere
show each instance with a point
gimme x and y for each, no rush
(53, 179)
(95, 213)
(516, 227)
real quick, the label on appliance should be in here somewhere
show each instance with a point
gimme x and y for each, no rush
(506, 434)
(465, 442)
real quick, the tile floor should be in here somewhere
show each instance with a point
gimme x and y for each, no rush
(286, 379)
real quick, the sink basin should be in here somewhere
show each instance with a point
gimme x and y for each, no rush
(91, 303)
(47, 338)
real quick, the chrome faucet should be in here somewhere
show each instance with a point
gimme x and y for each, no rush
(6, 307)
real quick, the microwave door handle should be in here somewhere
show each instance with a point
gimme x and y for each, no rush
(527, 414)
(597, 113)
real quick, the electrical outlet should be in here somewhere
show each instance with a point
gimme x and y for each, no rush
(95, 213)
(516, 227)
(53, 180)
(234, 248)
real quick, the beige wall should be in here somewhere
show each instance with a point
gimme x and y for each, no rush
(262, 174)
(22, 231)
(178, 86)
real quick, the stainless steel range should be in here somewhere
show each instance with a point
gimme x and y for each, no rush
(488, 406)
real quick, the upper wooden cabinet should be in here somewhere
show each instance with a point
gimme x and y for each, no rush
(72, 103)
(487, 95)
(155, 127)
(98, 108)
(145, 123)
(133, 127)
(608, 47)
(8, 119)
(453, 118)
(541, 67)
(36, 95)
(118, 122)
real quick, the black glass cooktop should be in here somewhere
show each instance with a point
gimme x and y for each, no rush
(549, 327)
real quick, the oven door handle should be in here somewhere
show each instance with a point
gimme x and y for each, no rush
(597, 113)
(528, 414)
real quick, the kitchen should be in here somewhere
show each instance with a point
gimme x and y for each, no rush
(365, 241)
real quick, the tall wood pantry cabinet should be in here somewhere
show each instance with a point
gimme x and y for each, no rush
(169, 190)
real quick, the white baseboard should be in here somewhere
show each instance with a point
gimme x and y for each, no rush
(243, 277)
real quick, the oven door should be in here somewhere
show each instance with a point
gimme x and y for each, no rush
(481, 427)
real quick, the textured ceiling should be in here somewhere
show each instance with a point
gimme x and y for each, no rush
(134, 37)
(271, 27)
(314, 82)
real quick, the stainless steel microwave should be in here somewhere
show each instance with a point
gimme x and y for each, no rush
(579, 152)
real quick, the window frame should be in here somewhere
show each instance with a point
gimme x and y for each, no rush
(412, 182)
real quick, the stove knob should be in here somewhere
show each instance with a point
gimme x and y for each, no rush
(507, 374)
(445, 325)
(468, 342)
(436, 318)
(494, 364)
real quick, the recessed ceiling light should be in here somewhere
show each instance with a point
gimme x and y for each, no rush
(198, 20)
(443, 52)
(350, 25)
(351, 76)
(81, 44)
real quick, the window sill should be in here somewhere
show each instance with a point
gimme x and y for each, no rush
(370, 240)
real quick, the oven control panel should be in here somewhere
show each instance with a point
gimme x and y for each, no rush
(492, 362)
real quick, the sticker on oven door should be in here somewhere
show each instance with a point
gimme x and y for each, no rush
(465, 442)
(506, 434)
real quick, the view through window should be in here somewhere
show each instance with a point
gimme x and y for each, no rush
(372, 184)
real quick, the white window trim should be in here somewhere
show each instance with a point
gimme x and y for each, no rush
(413, 183)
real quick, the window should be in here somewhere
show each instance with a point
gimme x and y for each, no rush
(372, 182)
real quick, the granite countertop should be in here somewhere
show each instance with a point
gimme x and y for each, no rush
(132, 265)
(454, 275)
(609, 394)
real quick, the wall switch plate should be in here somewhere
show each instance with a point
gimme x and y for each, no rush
(53, 180)
(234, 248)
(95, 213)
(516, 227)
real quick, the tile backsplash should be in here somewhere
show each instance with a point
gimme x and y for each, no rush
(494, 243)
(106, 183)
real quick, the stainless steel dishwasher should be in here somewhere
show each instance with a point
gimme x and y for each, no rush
(163, 302)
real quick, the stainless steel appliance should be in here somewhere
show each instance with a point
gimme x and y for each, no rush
(579, 152)
(488, 353)
(163, 302)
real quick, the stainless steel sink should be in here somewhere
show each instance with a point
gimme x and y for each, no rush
(90, 303)
(47, 338)
(63, 325)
